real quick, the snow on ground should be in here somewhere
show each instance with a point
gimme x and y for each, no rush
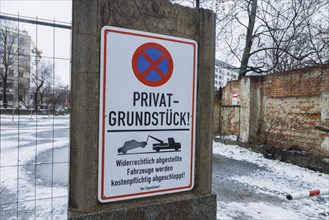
(278, 176)
(22, 140)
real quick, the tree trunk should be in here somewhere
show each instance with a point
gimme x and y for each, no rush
(35, 101)
(4, 94)
(249, 39)
(197, 3)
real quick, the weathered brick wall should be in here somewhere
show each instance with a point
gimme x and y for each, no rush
(229, 121)
(231, 88)
(290, 122)
(288, 105)
(227, 117)
(291, 108)
(217, 113)
(297, 83)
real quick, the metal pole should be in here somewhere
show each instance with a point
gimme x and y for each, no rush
(307, 194)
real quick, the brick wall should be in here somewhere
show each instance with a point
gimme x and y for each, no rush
(231, 88)
(291, 108)
(229, 121)
(290, 122)
(217, 112)
(288, 106)
(226, 114)
(297, 83)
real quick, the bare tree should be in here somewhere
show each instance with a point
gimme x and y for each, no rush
(44, 90)
(57, 97)
(10, 46)
(252, 5)
(62, 96)
(191, 3)
(272, 35)
(41, 79)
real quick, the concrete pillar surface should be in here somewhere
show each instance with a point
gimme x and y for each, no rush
(157, 16)
(244, 109)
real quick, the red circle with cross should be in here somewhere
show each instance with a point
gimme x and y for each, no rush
(152, 64)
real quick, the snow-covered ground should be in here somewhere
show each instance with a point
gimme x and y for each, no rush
(273, 175)
(36, 151)
(33, 166)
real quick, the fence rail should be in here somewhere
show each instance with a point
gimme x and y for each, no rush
(36, 21)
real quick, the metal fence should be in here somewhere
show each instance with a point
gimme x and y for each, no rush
(34, 122)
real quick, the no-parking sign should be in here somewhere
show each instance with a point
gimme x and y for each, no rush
(146, 114)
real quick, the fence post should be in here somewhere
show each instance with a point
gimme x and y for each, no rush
(162, 18)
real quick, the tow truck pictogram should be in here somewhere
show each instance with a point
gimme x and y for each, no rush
(164, 146)
(132, 144)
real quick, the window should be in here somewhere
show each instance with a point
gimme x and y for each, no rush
(9, 85)
(1, 71)
(11, 38)
(11, 72)
(10, 103)
(20, 74)
(22, 41)
(10, 50)
(21, 63)
(21, 51)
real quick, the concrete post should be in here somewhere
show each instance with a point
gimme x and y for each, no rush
(244, 109)
(157, 16)
(251, 108)
(324, 105)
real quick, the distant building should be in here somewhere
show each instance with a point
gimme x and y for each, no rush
(224, 72)
(17, 49)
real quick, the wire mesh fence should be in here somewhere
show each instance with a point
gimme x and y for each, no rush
(34, 117)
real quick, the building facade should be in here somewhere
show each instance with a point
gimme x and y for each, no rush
(15, 51)
(224, 72)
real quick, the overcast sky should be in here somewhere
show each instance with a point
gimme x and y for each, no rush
(60, 10)
(52, 42)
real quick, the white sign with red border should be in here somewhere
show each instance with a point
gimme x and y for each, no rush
(147, 114)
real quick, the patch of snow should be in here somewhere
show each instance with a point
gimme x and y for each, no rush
(278, 176)
(254, 210)
(20, 145)
(227, 137)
